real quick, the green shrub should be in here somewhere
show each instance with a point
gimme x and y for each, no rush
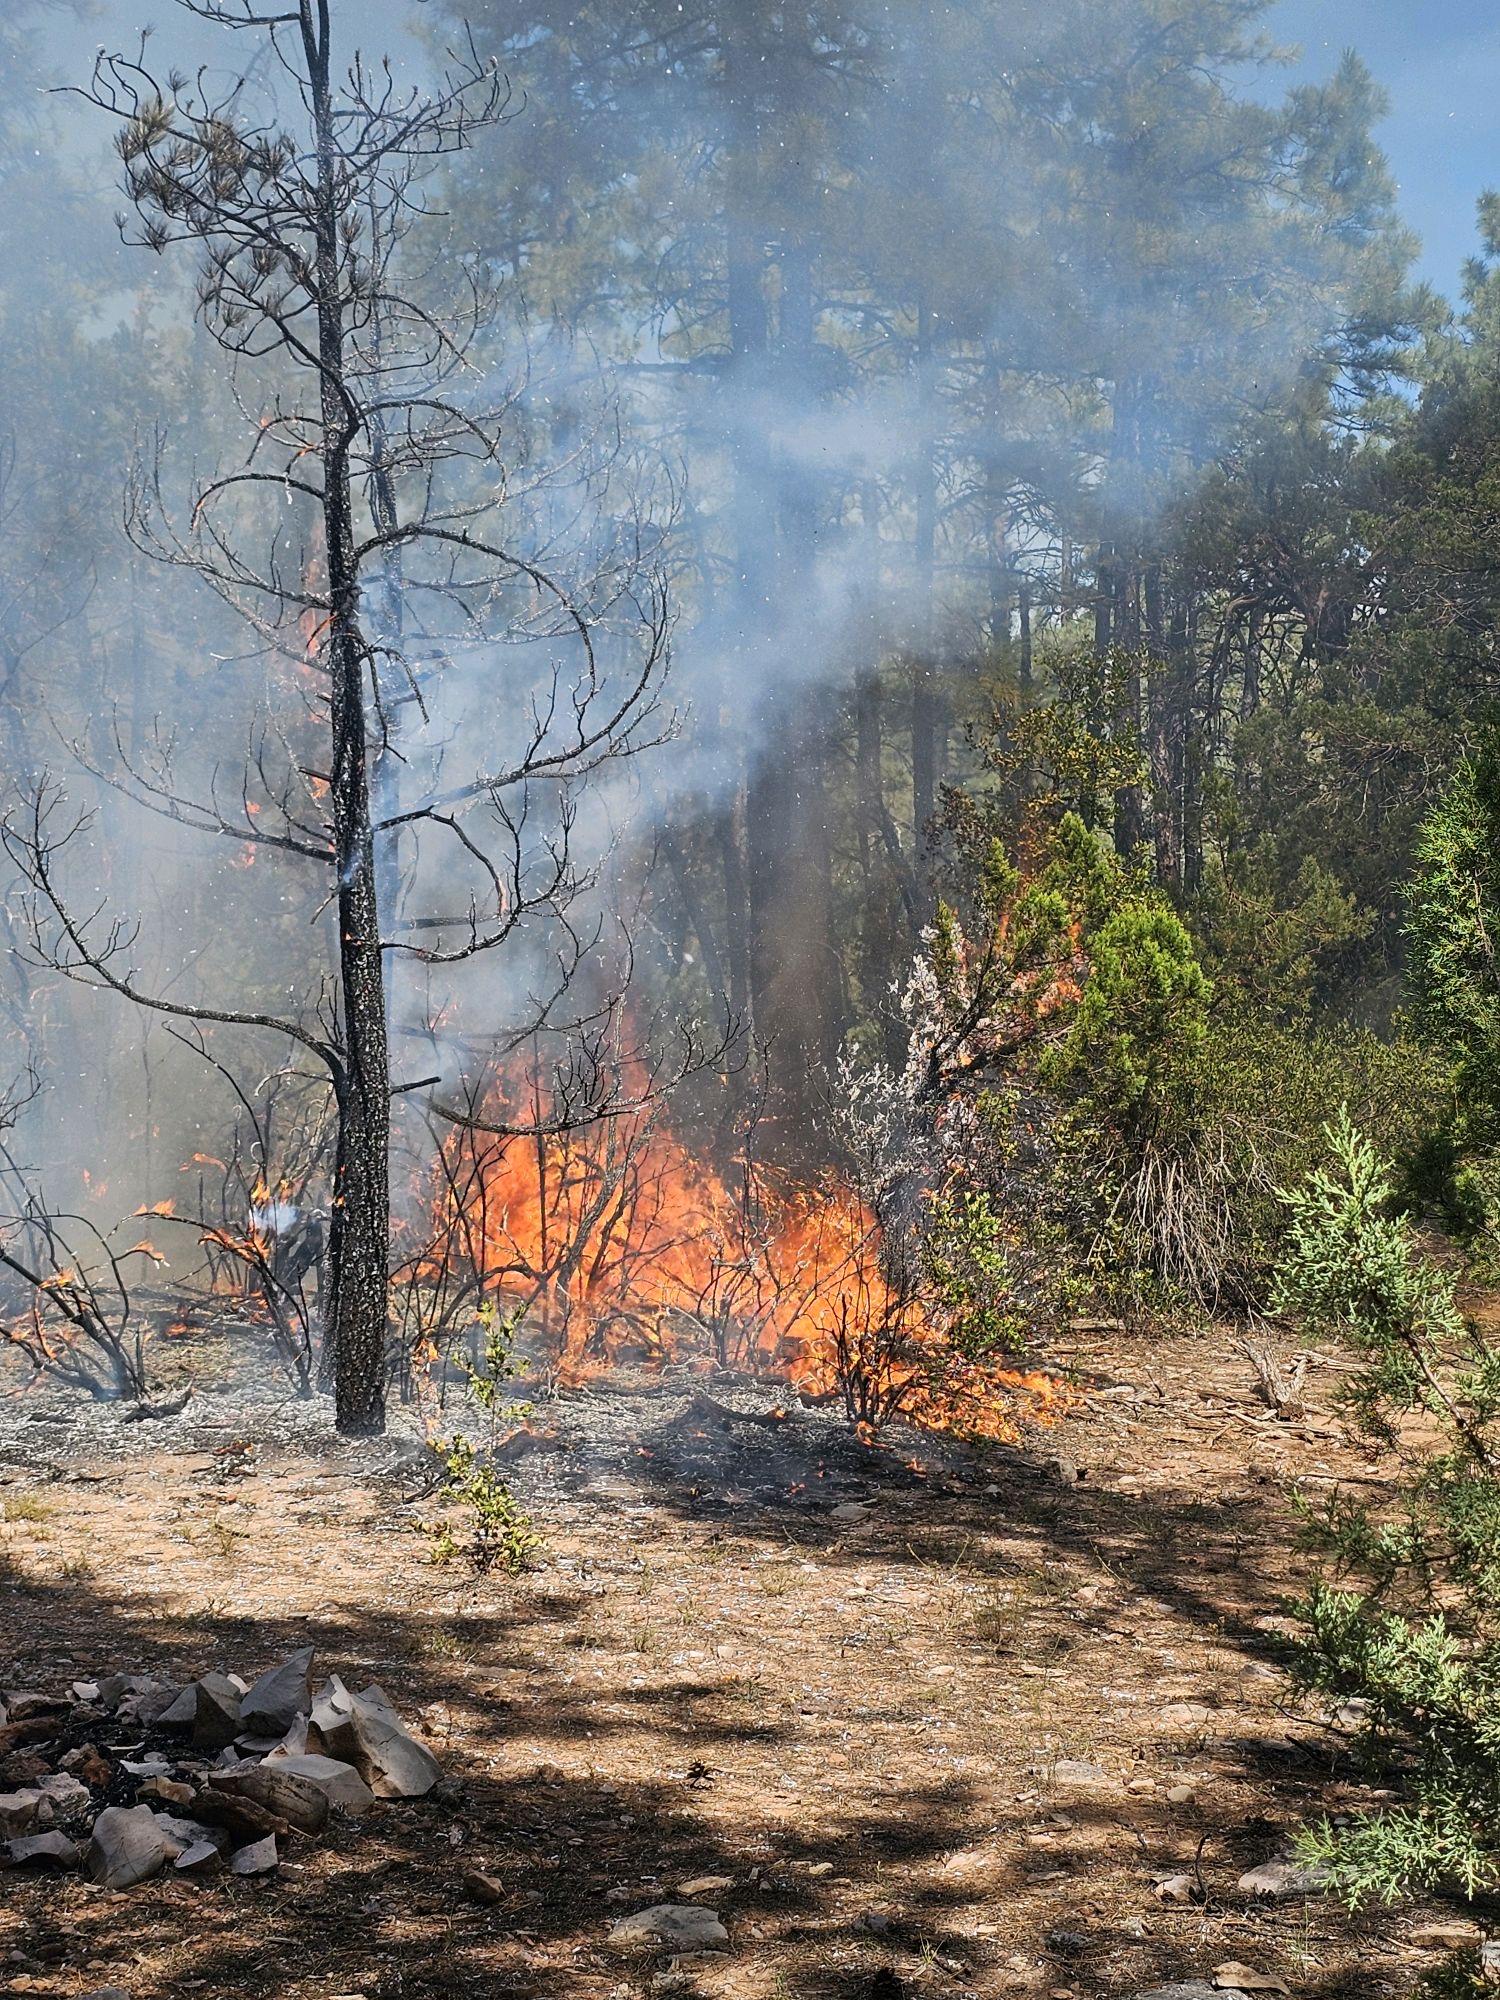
(1452, 934)
(1403, 1619)
(491, 1529)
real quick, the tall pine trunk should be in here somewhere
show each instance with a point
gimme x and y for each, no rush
(360, 1235)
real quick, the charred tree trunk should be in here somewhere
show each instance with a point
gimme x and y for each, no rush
(360, 1241)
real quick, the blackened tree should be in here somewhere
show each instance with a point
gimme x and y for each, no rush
(367, 535)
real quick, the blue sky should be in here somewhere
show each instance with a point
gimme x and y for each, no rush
(1439, 61)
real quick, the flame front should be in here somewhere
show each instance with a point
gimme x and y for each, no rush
(623, 1246)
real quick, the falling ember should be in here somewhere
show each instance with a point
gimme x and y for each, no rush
(625, 1247)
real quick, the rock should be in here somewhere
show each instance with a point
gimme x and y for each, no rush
(1232, 1977)
(1186, 1715)
(182, 1834)
(64, 1792)
(296, 1800)
(216, 1711)
(105, 1993)
(53, 1850)
(181, 1712)
(147, 1700)
(1177, 1889)
(202, 1858)
(294, 1743)
(676, 1926)
(21, 1707)
(850, 1512)
(21, 1769)
(364, 1730)
(242, 1817)
(342, 1786)
(1180, 1795)
(1451, 1936)
(1489, 1962)
(20, 1811)
(88, 1765)
(1071, 1771)
(876, 1922)
(272, 1704)
(127, 1847)
(1188, 1989)
(819, 1870)
(259, 1858)
(1274, 1880)
(171, 1791)
(482, 1888)
(705, 1885)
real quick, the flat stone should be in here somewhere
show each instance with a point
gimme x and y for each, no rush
(851, 1512)
(53, 1850)
(22, 1707)
(1274, 1880)
(1072, 1771)
(292, 1798)
(202, 1858)
(272, 1704)
(20, 1811)
(182, 1834)
(243, 1818)
(1186, 1715)
(364, 1730)
(127, 1847)
(676, 1926)
(705, 1885)
(342, 1786)
(1451, 1936)
(1177, 1889)
(1187, 1989)
(171, 1791)
(1233, 1977)
(259, 1858)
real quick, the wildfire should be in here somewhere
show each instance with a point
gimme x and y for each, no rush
(625, 1246)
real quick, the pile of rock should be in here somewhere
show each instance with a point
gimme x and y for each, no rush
(131, 1775)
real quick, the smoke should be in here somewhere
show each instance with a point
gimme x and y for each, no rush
(841, 408)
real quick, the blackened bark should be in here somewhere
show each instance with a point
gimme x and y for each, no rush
(359, 1260)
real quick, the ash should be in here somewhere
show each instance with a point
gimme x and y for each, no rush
(704, 1446)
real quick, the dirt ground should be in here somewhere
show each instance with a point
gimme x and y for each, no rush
(956, 1731)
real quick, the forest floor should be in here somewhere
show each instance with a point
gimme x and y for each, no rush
(959, 1729)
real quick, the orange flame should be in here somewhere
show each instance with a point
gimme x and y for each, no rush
(626, 1247)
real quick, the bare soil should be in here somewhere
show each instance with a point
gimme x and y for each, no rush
(959, 1735)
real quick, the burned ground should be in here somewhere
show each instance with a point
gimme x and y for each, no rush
(951, 1713)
